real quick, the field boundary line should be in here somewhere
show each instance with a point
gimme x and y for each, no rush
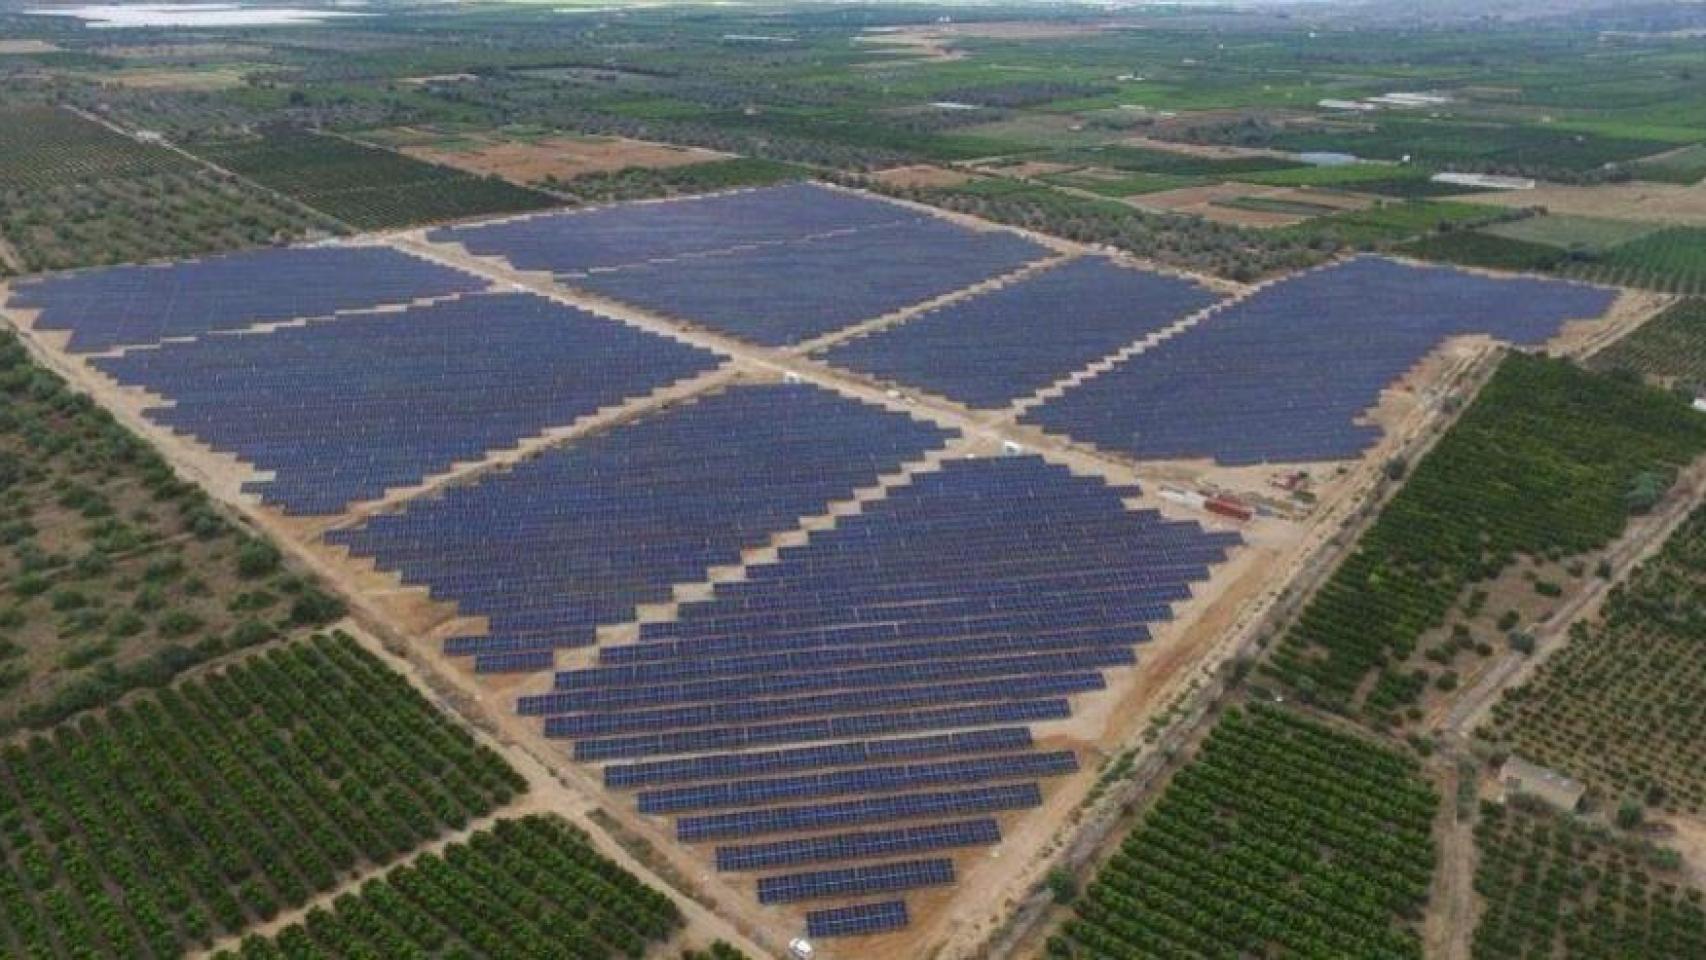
(207, 164)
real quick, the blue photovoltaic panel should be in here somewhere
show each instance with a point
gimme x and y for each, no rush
(991, 349)
(345, 409)
(718, 765)
(847, 813)
(828, 728)
(122, 306)
(576, 725)
(784, 294)
(1285, 375)
(514, 662)
(855, 881)
(885, 779)
(581, 534)
(571, 241)
(856, 921)
(859, 846)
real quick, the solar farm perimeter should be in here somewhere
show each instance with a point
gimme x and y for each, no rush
(830, 544)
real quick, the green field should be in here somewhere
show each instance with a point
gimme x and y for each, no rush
(1669, 348)
(532, 887)
(210, 806)
(1540, 465)
(1556, 887)
(1395, 222)
(1483, 249)
(367, 187)
(638, 183)
(1590, 234)
(1672, 260)
(1338, 826)
(1634, 678)
(114, 574)
(74, 193)
(1687, 165)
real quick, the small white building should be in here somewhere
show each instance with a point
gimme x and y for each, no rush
(1519, 776)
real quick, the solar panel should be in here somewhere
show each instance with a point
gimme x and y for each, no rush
(858, 920)
(580, 534)
(606, 237)
(991, 349)
(788, 293)
(859, 845)
(1284, 375)
(345, 409)
(855, 881)
(847, 813)
(875, 779)
(125, 306)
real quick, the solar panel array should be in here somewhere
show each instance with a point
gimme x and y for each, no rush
(855, 881)
(787, 293)
(575, 241)
(1284, 375)
(865, 693)
(581, 534)
(126, 306)
(991, 349)
(344, 409)
(856, 921)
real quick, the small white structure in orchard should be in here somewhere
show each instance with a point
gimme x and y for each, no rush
(1519, 776)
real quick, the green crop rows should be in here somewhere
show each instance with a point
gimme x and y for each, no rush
(1556, 888)
(639, 183)
(1541, 464)
(1672, 260)
(1282, 838)
(46, 147)
(74, 193)
(527, 889)
(217, 803)
(368, 187)
(1671, 346)
(1621, 706)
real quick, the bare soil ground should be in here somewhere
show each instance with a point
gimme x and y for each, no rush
(165, 78)
(26, 46)
(1210, 203)
(1653, 202)
(560, 158)
(922, 175)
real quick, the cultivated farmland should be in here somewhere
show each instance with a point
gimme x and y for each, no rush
(1554, 887)
(531, 887)
(364, 186)
(1670, 348)
(1619, 706)
(75, 193)
(116, 574)
(1325, 835)
(209, 806)
(1541, 465)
